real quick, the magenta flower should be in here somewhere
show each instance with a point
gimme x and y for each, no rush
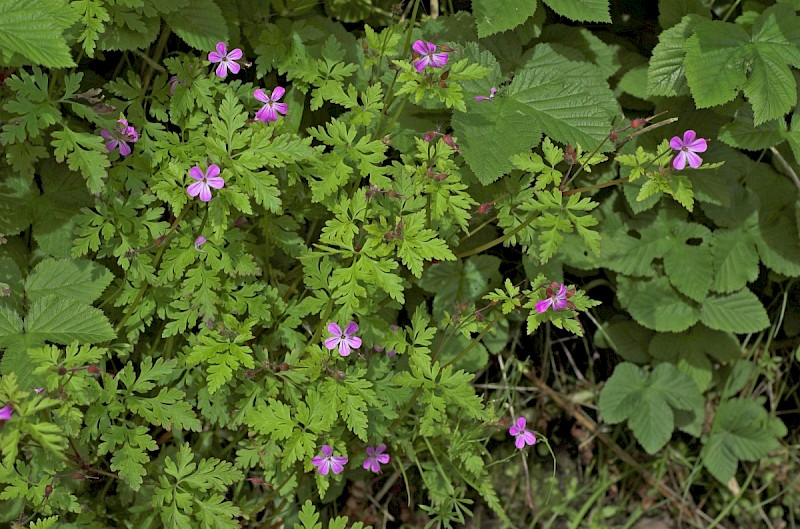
(522, 435)
(376, 458)
(492, 92)
(200, 241)
(5, 412)
(345, 341)
(38, 390)
(327, 461)
(555, 300)
(205, 182)
(269, 112)
(120, 136)
(226, 60)
(428, 56)
(688, 147)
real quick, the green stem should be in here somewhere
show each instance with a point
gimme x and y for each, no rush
(499, 240)
(472, 344)
(160, 45)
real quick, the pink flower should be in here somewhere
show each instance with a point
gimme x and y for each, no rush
(492, 92)
(205, 182)
(376, 458)
(200, 241)
(428, 56)
(5, 412)
(327, 461)
(688, 147)
(555, 300)
(38, 390)
(345, 341)
(522, 435)
(269, 112)
(120, 136)
(226, 60)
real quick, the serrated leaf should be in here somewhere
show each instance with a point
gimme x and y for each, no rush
(62, 321)
(735, 259)
(648, 400)
(742, 431)
(77, 279)
(201, 26)
(666, 72)
(491, 20)
(582, 10)
(741, 312)
(33, 29)
(657, 305)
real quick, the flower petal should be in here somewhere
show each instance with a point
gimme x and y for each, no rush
(521, 423)
(111, 145)
(334, 328)
(698, 145)
(689, 136)
(107, 135)
(332, 342)
(235, 54)
(327, 450)
(438, 60)
(543, 305)
(382, 458)
(419, 47)
(222, 48)
(214, 57)
(205, 192)
(520, 442)
(344, 348)
(528, 438)
(217, 182)
(196, 173)
(260, 95)
(280, 107)
(421, 63)
(676, 143)
(324, 467)
(680, 161)
(353, 342)
(234, 67)
(351, 328)
(194, 189)
(212, 171)
(124, 148)
(267, 113)
(694, 160)
(222, 70)
(277, 94)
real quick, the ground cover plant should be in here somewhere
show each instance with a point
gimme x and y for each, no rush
(352, 263)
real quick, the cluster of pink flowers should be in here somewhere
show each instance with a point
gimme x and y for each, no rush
(327, 462)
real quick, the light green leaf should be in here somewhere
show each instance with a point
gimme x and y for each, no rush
(714, 62)
(62, 321)
(666, 73)
(735, 259)
(33, 29)
(657, 305)
(582, 10)
(740, 312)
(77, 279)
(491, 20)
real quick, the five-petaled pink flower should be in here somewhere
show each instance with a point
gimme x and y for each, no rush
(270, 111)
(205, 182)
(428, 56)
(6, 412)
(227, 60)
(375, 458)
(688, 148)
(120, 136)
(327, 461)
(557, 300)
(522, 435)
(492, 92)
(345, 341)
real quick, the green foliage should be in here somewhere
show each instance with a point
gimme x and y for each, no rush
(184, 372)
(648, 401)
